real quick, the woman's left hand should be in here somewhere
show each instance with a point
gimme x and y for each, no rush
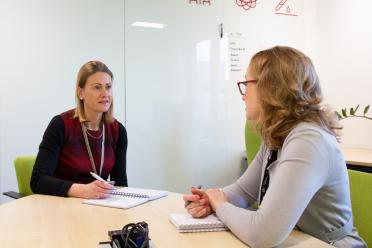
(216, 198)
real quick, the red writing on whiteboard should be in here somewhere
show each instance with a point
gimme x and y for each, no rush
(246, 4)
(200, 2)
(279, 10)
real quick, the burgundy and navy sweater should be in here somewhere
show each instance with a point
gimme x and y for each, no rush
(63, 157)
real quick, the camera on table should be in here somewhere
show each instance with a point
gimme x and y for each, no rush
(132, 235)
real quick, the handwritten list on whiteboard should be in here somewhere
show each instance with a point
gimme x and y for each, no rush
(237, 52)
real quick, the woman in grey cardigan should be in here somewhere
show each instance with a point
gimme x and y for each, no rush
(298, 178)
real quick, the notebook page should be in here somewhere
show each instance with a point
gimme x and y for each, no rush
(187, 222)
(117, 202)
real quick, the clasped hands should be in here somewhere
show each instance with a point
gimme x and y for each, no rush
(202, 203)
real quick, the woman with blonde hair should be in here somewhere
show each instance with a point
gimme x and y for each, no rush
(299, 177)
(83, 140)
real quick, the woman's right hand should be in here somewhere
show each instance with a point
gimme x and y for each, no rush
(93, 190)
(197, 204)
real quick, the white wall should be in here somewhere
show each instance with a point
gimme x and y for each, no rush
(345, 56)
(43, 44)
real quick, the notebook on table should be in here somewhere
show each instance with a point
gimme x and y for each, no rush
(128, 197)
(186, 223)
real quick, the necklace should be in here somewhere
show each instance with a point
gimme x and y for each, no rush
(94, 136)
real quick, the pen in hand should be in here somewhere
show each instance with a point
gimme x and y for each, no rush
(188, 202)
(101, 179)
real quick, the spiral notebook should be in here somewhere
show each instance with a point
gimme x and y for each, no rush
(186, 223)
(128, 197)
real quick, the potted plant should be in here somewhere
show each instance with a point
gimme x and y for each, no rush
(352, 112)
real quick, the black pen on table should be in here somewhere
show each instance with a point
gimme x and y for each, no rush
(188, 202)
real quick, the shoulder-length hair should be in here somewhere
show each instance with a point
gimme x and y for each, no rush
(85, 72)
(289, 93)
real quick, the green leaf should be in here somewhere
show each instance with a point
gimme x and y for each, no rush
(356, 108)
(366, 109)
(352, 111)
(344, 112)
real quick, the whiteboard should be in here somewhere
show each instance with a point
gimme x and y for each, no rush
(184, 115)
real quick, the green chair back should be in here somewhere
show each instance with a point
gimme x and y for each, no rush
(252, 141)
(361, 202)
(23, 167)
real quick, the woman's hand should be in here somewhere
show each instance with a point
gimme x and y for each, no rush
(197, 204)
(93, 190)
(216, 197)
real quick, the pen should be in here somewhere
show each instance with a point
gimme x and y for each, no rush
(101, 179)
(188, 202)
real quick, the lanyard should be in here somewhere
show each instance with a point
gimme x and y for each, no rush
(83, 127)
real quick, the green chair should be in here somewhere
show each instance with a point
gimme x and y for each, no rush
(361, 202)
(23, 167)
(252, 141)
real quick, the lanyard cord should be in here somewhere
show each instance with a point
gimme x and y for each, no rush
(83, 127)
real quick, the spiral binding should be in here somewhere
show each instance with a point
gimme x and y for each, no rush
(134, 195)
(218, 229)
(202, 225)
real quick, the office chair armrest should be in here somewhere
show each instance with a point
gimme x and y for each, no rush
(13, 194)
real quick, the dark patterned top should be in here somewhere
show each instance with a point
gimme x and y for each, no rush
(63, 158)
(266, 179)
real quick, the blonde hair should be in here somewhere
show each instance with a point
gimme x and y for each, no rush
(85, 72)
(289, 93)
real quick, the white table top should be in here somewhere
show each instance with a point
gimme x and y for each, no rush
(48, 221)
